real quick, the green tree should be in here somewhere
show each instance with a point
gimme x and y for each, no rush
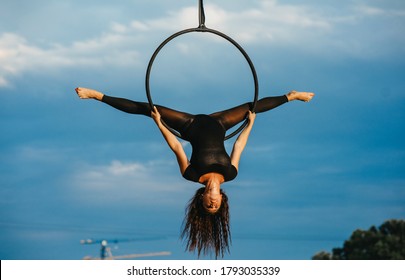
(387, 242)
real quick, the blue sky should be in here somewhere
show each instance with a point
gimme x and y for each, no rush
(312, 173)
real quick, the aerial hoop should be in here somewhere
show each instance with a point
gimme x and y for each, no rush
(203, 28)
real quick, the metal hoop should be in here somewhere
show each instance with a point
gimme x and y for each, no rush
(203, 28)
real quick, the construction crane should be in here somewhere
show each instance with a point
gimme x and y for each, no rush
(106, 254)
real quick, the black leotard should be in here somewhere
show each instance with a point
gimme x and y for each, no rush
(206, 136)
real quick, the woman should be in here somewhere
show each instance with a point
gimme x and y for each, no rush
(206, 226)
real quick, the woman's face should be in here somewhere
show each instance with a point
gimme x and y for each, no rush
(212, 202)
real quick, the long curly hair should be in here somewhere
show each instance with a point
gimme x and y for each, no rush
(206, 232)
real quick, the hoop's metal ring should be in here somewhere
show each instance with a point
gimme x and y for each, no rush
(202, 28)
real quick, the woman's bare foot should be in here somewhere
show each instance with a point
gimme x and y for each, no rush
(86, 93)
(300, 95)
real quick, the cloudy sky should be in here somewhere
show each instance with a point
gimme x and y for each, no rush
(311, 174)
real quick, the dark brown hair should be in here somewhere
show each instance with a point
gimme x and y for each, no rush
(206, 232)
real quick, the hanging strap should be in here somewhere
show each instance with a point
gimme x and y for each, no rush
(201, 15)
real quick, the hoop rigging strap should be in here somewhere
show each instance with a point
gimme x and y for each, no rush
(203, 28)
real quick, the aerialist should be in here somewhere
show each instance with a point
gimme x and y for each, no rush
(206, 225)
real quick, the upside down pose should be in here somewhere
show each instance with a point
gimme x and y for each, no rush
(206, 225)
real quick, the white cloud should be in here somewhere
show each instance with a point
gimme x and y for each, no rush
(17, 55)
(120, 45)
(125, 44)
(129, 182)
(4, 82)
(119, 168)
(368, 10)
(36, 154)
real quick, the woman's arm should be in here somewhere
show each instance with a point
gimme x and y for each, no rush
(172, 141)
(241, 141)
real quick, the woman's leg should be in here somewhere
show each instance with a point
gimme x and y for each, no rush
(172, 118)
(233, 116)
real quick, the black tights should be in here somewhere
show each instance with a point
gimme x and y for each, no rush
(177, 120)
